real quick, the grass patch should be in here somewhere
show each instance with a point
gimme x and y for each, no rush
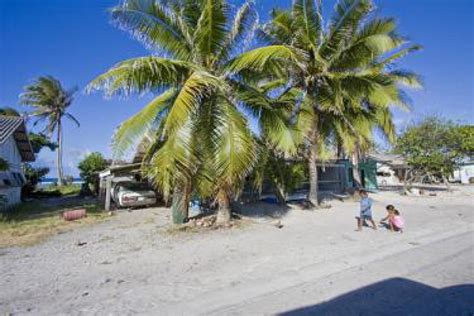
(32, 222)
(57, 191)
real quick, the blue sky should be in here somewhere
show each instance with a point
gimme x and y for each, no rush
(74, 41)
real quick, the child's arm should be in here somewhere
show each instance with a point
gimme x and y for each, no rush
(385, 218)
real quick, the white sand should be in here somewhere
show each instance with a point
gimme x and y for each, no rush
(130, 265)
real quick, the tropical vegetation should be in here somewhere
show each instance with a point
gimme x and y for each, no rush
(434, 147)
(348, 77)
(309, 83)
(90, 167)
(200, 139)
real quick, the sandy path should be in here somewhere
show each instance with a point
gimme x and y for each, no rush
(130, 265)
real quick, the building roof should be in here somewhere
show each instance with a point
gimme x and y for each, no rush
(12, 125)
(389, 159)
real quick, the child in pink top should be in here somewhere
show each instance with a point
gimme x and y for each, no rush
(395, 220)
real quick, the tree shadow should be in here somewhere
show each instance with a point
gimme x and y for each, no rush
(261, 209)
(396, 296)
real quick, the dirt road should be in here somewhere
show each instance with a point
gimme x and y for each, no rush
(316, 264)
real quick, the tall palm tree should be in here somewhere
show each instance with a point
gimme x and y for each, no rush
(51, 102)
(347, 62)
(202, 141)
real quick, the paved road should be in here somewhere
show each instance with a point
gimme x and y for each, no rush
(434, 278)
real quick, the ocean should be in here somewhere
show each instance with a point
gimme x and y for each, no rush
(49, 181)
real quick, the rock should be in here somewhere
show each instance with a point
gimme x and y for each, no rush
(277, 224)
(81, 243)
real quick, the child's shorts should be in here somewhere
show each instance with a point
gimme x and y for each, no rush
(367, 217)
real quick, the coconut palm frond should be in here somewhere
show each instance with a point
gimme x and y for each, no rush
(154, 25)
(187, 101)
(133, 129)
(141, 74)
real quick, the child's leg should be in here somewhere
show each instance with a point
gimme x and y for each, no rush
(373, 223)
(359, 223)
(391, 226)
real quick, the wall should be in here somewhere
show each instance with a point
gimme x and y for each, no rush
(9, 151)
(466, 172)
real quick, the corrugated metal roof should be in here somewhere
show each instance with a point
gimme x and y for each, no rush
(13, 125)
(390, 159)
(8, 125)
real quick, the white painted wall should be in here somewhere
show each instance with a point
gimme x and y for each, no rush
(9, 151)
(389, 178)
(465, 173)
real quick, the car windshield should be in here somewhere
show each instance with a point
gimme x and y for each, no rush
(135, 186)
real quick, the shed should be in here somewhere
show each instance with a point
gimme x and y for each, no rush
(15, 149)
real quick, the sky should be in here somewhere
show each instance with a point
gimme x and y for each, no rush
(74, 41)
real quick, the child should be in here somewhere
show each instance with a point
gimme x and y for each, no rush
(365, 210)
(395, 220)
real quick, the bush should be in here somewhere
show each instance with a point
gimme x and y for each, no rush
(33, 177)
(90, 167)
(3, 165)
(68, 180)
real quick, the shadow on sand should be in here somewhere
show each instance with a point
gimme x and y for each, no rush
(261, 209)
(397, 296)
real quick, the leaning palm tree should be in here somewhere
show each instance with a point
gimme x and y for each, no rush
(51, 102)
(348, 61)
(202, 143)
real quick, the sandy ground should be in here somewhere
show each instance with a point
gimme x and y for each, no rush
(316, 264)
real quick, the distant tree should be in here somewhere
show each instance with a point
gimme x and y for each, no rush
(89, 168)
(433, 148)
(51, 102)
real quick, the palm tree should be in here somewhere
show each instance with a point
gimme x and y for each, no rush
(347, 63)
(51, 102)
(354, 133)
(202, 143)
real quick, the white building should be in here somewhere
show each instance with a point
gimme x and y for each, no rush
(464, 173)
(391, 169)
(15, 148)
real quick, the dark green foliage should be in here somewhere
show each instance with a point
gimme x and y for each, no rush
(90, 167)
(3, 164)
(8, 111)
(39, 141)
(33, 176)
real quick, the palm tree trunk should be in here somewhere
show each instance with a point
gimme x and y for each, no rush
(224, 211)
(180, 204)
(60, 155)
(355, 169)
(313, 175)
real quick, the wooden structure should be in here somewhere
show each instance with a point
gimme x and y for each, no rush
(111, 176)
(15, 149)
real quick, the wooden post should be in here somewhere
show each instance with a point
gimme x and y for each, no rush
(108, 186)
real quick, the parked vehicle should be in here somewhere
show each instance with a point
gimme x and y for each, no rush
(133, 194)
